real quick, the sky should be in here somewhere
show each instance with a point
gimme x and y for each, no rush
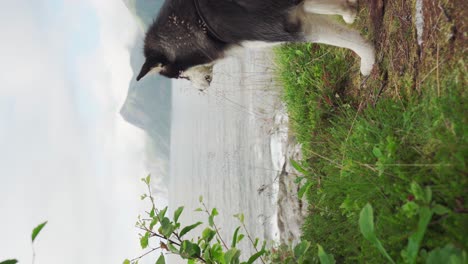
(66, 155)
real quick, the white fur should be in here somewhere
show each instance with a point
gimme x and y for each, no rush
(258, 44)
(200, 76)
(156, 69)
(344, 8)
(323, 29)
(318, 28)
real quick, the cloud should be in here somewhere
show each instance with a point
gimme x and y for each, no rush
(66, 154)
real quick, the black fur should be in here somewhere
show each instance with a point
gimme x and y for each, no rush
(179, 38)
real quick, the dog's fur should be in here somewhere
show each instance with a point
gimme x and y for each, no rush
(188, 37)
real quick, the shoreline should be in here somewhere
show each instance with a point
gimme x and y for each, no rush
(290, 210)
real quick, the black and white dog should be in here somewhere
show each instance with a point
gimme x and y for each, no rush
(189, 36)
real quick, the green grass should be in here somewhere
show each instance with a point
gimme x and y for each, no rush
(362, 148)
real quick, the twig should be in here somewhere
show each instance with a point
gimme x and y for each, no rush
(157, 211)
(154, 234)
(145, 254)
(327, 159)
(251, 240)
(429, 73)
(351, 129)
(152, 201)
(34, 253)
(411, 165)
(168, 240)
(216, 228)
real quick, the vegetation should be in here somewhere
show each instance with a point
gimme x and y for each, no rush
(384, 168)
(388, 140)
(164, 234)
(35, 232)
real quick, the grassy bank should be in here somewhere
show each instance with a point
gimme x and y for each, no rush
(373, 140)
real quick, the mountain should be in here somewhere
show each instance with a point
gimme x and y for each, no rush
(144, 10)
(149, 101)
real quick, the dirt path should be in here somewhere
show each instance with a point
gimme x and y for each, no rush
(401, 61)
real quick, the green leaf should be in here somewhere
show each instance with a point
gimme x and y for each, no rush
(214, 212)
(448, 254)
(304, 189)
(211, 220)
(162, 213)
(191, 261)
(440, 210)
(298, 179)
(298, 167)
(255, 256)
(240, 217)
(256, 242)
(208, 234)
(148, 179)
(234, 237)
(172, 248)
(232, 256)
(410, 209)
(9, 261)
(144, 240)
(301, 249)
(377, 152)
(37, 230)
(366, 225)
(198, 210)
(153, 222)
(366, 222)
(200, 199)
(240, 237)
(187, 229)
(216, 253)
(428, 195)
(414, 241)
(167, 227)
(417, 191)
(324, 257)
(264, 245)
(177, 213)
(161, 260)
(189, 250)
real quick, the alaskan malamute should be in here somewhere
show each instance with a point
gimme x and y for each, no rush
(189, 36)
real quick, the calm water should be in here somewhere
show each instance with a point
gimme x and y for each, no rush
(220, 146)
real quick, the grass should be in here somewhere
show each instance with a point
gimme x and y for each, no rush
(367, 141)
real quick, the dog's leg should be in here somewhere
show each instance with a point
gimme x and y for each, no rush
(321, 29)
(345, 8)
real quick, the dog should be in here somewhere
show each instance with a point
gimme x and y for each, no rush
(189, 36)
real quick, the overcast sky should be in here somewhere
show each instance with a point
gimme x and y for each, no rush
(66, 155)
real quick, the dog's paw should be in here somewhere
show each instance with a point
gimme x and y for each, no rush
(349, 19)
(351, 11)
(366, 69)
(367, 62)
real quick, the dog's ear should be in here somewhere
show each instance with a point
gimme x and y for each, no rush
(148, 66)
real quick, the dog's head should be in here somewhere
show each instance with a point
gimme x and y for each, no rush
(157, 62)
(193, 67)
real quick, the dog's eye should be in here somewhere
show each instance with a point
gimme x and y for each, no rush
(208, 78)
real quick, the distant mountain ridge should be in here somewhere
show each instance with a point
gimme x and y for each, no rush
(149, 101)
(145, 11)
